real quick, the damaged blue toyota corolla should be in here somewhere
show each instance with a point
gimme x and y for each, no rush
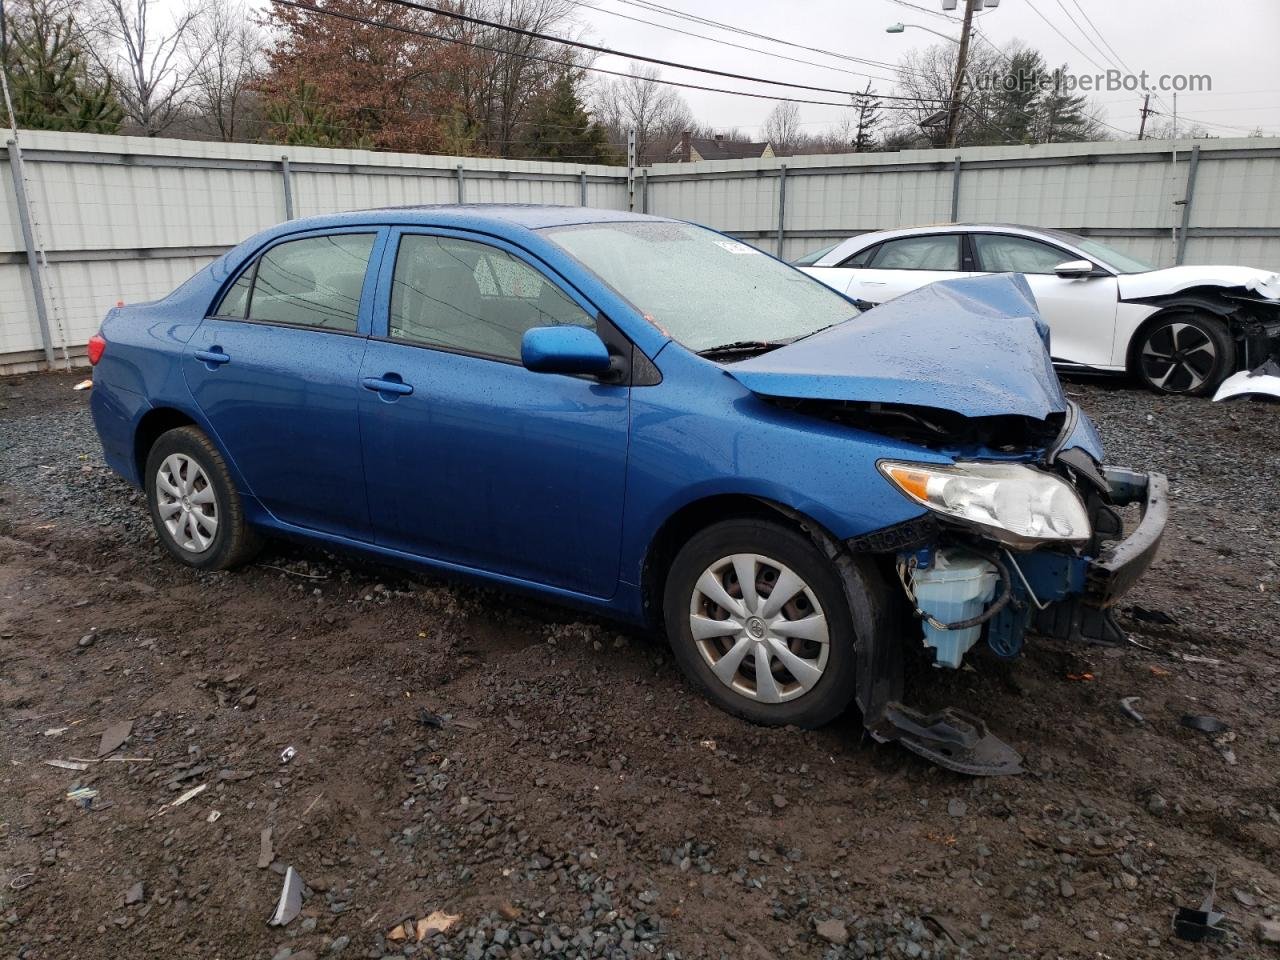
(648, 419)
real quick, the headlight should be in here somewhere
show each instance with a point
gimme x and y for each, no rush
(1014, 503)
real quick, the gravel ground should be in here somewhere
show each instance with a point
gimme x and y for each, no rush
(553, 784)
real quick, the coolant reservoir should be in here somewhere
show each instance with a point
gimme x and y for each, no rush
(957, 586)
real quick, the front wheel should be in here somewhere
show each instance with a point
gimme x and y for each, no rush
(757, 618)
(1187, 353)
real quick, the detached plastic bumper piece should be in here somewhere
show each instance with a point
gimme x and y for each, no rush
(1122, 564)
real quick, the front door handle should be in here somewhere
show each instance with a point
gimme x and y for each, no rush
(385, 385)
(213, 357)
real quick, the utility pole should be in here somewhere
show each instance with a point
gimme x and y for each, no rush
(1145, 111)
(953, 112)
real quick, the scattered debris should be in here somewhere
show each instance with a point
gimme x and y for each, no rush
(947, 926)
(1127, 705)
(1159, 671)
(22, 881)
(290, 904)
(428, 719)
(114, 736)
(56, 731)
(134, 894)
(213, 817)
(1269, 931)
(707, 744)
(84, 384)
(1143, 615)
(1197, 925)
(1080, 677)
(265, 852)
(84, 796)
(193, 792)
(437, 922)
(287, 754)
(1193, 658)
(67, 764)
(1204, 724)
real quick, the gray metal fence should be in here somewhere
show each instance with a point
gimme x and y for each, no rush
(92, 220)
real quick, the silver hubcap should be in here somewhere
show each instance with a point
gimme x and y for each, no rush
(186, 503)
(1178, 357)
(759, 627)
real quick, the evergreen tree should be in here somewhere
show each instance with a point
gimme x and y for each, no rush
(559, 128)
(49, 78)
(301, 120)
(1064, 117)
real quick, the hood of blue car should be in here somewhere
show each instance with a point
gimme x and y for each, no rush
(975, 346)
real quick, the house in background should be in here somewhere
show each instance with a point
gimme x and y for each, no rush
(692, 149)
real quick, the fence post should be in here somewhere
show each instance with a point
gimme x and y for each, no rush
(582, 189)
(644, 187)
(955, 190)
(461, 176)
(782, 208)
(287, 175)
(1186, 205)
(631, 169)
(28, 240)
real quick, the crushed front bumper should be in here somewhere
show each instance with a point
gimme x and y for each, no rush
(1118, 567)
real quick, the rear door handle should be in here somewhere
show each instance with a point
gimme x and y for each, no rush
(384, 385)
(213, 356)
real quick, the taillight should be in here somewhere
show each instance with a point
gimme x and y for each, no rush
(97, 344)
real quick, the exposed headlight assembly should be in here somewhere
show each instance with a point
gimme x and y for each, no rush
(1012, 502)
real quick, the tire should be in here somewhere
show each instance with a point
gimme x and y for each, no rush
(822, 685)
(197, 513)
(1184, 353)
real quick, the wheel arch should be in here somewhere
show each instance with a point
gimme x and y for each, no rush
(698, 514)
(151, 426)
(1201, 300)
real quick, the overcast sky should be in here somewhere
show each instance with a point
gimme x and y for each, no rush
(1233, 41)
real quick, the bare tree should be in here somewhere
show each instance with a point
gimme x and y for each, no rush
(782, 128)
(143, 60)
(223, 47)
(657, 113)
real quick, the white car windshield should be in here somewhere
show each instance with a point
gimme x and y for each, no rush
(1113, 258)
(703, 289)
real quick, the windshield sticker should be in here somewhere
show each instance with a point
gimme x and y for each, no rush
(733, 246)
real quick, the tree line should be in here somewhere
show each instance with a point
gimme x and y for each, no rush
(372, 74)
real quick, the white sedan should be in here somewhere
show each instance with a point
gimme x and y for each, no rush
(1179, 330)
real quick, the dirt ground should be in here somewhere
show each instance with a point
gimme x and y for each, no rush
(568, 795)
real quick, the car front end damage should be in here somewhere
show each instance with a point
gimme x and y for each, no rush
(963, 586)
(1022, 529)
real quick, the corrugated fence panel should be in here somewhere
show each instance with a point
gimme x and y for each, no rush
(126, 218)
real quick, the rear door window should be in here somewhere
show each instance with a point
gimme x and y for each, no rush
(934, 252)
(310, 282)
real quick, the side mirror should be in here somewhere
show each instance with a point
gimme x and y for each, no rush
(566, 349)
(1074, 269)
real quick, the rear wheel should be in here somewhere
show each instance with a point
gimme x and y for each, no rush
(757, 618)
(197, 513)
(1187, 353)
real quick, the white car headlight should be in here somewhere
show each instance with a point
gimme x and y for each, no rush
(1014, 503)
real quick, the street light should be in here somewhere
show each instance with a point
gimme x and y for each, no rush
(902, 28)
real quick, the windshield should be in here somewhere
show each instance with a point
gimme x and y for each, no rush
(813, 256)
(702, 288)
(1113, 258)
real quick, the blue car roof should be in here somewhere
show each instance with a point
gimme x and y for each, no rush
(531, 216)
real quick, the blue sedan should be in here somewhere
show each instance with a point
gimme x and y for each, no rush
(648, 419)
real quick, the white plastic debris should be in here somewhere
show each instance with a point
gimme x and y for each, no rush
(67, 765)
(290, 904)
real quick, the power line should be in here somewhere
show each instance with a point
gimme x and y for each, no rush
(596, 48)
(728, 43)
(706, 21)
(1111, 61)
(914, 101)
(1101, 36)
(1052, 26)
